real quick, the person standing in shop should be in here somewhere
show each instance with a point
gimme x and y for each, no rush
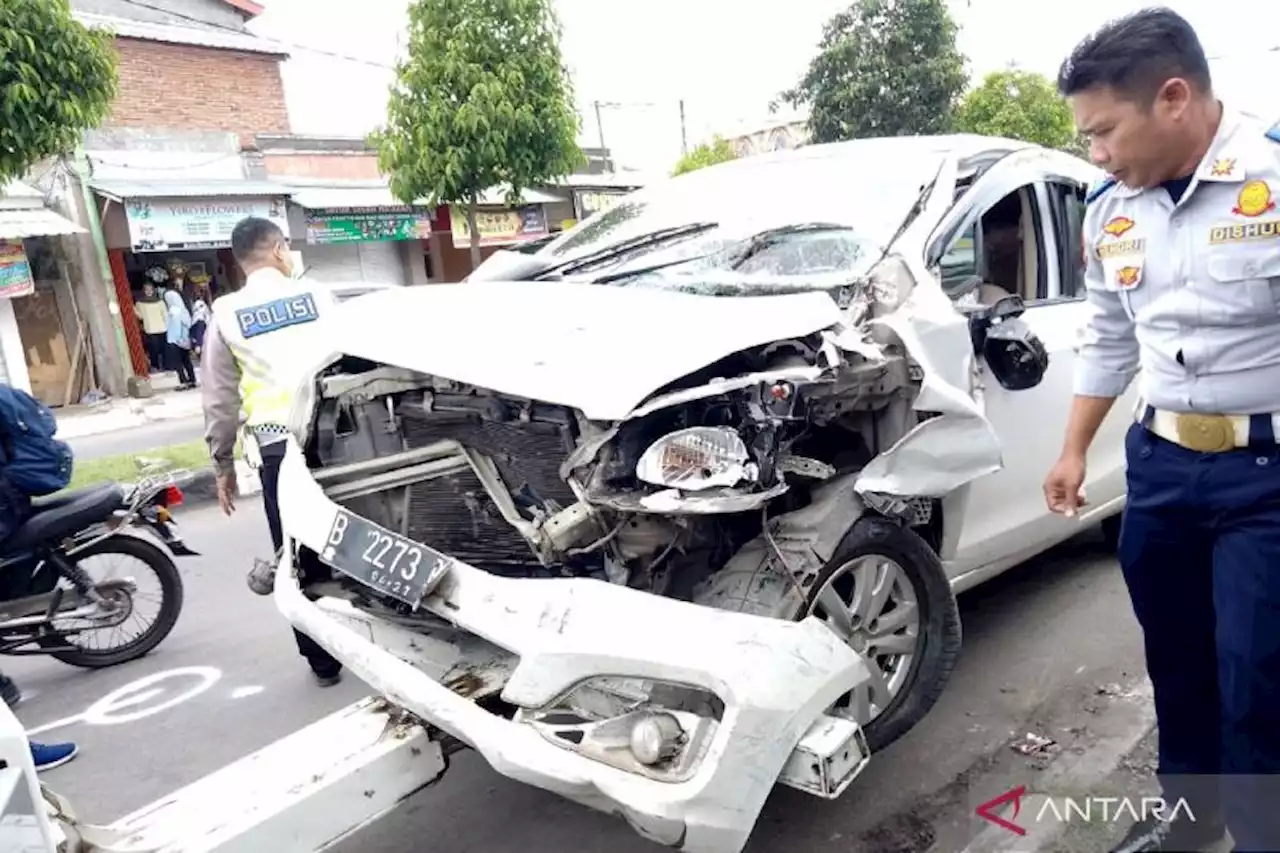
(153, 317)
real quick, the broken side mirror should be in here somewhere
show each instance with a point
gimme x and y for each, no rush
(1015, 355)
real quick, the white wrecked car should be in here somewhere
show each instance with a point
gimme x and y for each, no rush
(674, 508)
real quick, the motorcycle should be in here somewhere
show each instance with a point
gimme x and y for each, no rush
(48, 601)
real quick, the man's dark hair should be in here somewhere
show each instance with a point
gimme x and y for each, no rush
(1135, 55)
(252, 235)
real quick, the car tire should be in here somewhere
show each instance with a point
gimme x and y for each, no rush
(765, 591)
(1111, 532)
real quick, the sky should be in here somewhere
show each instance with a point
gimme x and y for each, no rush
(725, 59)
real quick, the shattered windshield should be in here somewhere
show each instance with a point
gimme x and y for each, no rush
(812, 219)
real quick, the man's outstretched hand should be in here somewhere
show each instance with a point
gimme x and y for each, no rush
(227, 491)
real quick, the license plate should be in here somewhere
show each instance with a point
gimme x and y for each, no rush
(384, 561)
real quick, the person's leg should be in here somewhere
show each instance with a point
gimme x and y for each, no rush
(9, 691)
(327, 669)
(188, 374)
(1246, 495)
(1166, 555)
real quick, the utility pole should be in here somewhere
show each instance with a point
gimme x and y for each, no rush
(604, 152)
(684, 133)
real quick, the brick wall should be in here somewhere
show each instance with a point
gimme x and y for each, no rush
(341, 167)
(185, 87)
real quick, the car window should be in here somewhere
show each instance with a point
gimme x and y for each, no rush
(962, 260)
(1004, 247)
(1068, 204)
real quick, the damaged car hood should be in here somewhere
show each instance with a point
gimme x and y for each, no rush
(599, 349)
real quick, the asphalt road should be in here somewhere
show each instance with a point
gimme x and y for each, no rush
(1060, 622)
(138, 439)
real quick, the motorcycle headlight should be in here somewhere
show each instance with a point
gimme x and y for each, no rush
(697, 458)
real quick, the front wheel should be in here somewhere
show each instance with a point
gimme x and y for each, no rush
(885, 593)
(72, 640)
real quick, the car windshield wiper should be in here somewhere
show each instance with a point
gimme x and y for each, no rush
(626, 247)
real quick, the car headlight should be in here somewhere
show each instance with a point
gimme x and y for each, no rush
(697, 458)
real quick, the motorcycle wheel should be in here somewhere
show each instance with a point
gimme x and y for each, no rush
(171, 590)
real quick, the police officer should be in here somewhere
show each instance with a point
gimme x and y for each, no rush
(259, 342)
(1183, 280)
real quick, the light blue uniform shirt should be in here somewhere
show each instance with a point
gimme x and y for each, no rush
(1189, 292)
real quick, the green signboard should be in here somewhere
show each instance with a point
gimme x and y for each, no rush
(326, 227)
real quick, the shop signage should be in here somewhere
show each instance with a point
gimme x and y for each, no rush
(162, 224)
(588, 202)
(15, 271)
(364, 225)
(499, 227)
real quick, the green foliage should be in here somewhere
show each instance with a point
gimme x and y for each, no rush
(718, 150)
(483, 99)
(57, 80)
(884, 68)
(1018, 105)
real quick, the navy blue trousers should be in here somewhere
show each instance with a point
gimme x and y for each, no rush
(1200, 551)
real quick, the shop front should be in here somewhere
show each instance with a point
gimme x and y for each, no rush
(177, 235)
(360, 233)
(496, 227)
(40, 343)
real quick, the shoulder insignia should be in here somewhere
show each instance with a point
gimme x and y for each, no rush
(1274, 133)
(1099, 189)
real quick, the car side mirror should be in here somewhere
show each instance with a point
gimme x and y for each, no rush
(1014, 354)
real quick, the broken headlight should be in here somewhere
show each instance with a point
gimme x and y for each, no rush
(650, 728)
(696, 459)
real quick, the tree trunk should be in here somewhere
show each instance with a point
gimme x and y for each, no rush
(473, 231)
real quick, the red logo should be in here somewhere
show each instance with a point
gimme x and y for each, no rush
(987, 811)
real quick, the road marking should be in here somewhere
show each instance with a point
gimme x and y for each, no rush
(245, 692)
(113, 709)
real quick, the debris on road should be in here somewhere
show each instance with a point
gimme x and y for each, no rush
(1034, 744)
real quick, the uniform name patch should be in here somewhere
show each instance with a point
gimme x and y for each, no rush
(1121, 247)
(1268, 230)
(276, 315)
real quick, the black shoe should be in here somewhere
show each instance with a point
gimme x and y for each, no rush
(327, 679)
(9, 692)
(1177, 835)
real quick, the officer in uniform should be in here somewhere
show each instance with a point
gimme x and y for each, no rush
(258, 345)
(1183, 281)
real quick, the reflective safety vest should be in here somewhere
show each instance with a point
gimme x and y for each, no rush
(274, 326)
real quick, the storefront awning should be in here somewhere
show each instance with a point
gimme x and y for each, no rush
(346, 198)
(20, 223)
(118, 190)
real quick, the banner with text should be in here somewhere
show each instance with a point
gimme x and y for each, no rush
(163, 224)
(15, 271)
(367, 225)
(499, 227)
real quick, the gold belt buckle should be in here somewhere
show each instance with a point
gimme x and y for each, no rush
(1206, 433)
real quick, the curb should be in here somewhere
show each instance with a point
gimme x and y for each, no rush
(200, 487)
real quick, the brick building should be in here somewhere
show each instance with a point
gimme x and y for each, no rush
(169, 171)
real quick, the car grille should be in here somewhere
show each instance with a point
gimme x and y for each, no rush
(455, 513)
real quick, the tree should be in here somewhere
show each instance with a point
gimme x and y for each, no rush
(57, 80)
(884, 68)
(1018, 105)
(482, 100)
(718, 150)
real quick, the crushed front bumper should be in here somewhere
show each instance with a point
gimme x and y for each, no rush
(775, 679)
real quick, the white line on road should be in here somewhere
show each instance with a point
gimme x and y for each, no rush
(110, 709)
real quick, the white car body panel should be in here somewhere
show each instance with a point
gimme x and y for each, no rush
(591, 348)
